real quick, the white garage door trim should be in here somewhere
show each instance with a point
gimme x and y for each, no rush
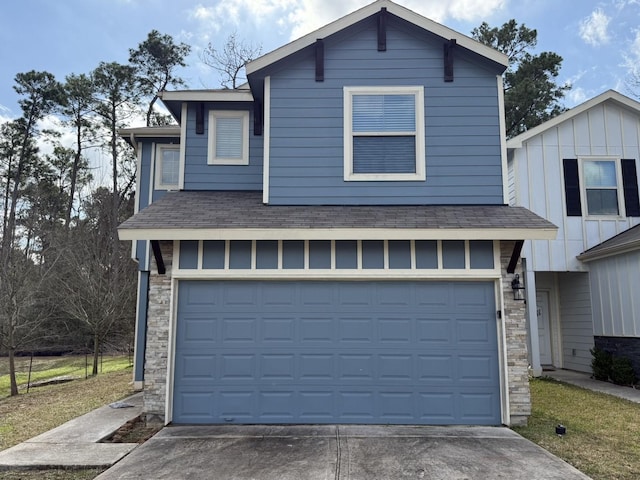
(500, 327)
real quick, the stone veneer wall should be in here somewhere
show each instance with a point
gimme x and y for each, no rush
(516, 334)
(158, 324)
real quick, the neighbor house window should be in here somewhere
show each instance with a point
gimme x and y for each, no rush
(167, 167)
(384, 133)
(228, 138)
(601, 190)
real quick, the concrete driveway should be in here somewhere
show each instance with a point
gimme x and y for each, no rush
(339, 452)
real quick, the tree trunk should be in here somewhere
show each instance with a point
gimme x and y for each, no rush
(12, 371)
(74, 176)
(96, 353)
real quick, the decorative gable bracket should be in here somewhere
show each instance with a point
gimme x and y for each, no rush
(448, 59)
(257, 117)
(382, 30)
(157, 254)
(200, 118)
(319, 60)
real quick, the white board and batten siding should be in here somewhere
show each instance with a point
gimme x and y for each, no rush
(607, 129)
(616, 315)
(576, 328)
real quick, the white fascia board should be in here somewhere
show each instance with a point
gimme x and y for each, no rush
(337, 234)
(609, 252)
(150, 132)
(621, 100)
(207, 96)
(365, 12)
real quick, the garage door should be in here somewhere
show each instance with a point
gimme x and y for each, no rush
(336, 352)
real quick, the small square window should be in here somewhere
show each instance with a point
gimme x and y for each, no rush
(601, 187)
(384, 133)
(228, 137)
(167, 167)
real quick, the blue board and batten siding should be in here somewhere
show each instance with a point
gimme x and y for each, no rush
(336, 352)
(201, 176)
(462, 131)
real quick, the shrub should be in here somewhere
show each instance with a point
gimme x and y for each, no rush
(622, 371)
(601, 364)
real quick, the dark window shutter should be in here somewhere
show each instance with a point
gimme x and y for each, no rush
(630, 187)
(572, 187)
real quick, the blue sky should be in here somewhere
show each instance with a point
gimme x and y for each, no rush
(599, 40)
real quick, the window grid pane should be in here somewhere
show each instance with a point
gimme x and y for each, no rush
(229, 138)
(600, 174)
(602, 202)
(384, 155)
(384, 113)
(170, 166)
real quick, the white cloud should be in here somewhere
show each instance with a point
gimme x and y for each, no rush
(576, 96)
(632, 60)
(594, 28)
(299, 17)
(5, 114)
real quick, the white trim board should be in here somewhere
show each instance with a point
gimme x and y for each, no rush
(337, 234)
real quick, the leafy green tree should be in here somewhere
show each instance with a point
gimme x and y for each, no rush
(116, 100)
(78, 111)
(531, 94)
(41, 94)
(155, 61)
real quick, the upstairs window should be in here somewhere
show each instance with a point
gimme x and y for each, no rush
(601, 187)
(167, 167)
(228, 138)
(384, 133)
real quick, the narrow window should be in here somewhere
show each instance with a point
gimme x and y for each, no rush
(167, 167)
(228, 138)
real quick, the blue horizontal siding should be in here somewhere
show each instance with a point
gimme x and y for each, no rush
(201, 176)
(462, 131)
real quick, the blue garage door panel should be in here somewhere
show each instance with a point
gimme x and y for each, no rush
(336, 352)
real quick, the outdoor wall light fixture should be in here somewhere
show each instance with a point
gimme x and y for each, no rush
(518, 288)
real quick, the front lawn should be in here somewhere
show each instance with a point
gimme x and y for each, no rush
(603, 432)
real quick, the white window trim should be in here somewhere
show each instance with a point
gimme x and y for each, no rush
(215, 114)
(420, 173)
(158, 185)
(619, 188)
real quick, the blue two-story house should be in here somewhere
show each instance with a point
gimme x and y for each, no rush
(332, 242)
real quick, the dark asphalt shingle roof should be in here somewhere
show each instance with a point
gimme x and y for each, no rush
(241, 210)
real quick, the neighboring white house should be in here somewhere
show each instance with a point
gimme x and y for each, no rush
(578, 170)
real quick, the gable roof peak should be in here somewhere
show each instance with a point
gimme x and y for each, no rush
(607, 96)
(365, 12)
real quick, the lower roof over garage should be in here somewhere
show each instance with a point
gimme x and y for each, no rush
(204, 215)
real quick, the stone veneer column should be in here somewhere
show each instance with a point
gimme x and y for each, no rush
(516, 339)
(158, 324)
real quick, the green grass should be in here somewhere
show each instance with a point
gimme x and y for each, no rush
(43, 408)
(46, 368)
(603, 432)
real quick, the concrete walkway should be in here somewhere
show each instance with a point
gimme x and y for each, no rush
(584, 380)
(75, 444)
